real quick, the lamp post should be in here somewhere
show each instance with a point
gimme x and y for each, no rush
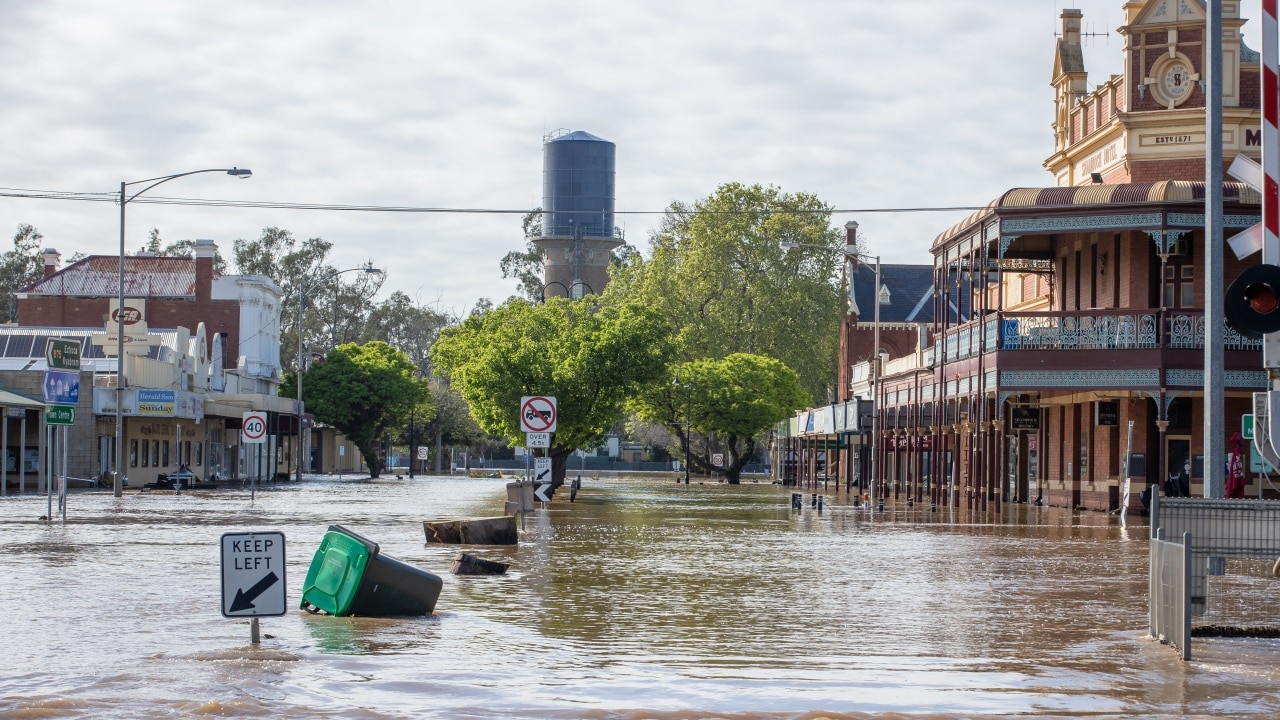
(688, 423)
(117, 486)
(850, 252)
(366, 268)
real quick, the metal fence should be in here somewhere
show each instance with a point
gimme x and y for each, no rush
(1168, 588)
(1214, 532)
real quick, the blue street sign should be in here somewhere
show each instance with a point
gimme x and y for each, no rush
(61, 387)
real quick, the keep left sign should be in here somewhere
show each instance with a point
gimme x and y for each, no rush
(253, 574)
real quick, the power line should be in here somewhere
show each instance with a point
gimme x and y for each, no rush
(333, 207)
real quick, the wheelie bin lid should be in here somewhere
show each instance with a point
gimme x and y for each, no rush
(336, 571)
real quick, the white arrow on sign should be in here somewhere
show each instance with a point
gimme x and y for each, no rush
(543, 492)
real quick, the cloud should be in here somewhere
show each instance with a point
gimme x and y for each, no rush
(868, 104)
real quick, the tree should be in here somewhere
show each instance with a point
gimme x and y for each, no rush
(731, 401)
(408, 326)
(717, 272)
(590, 358)
(526, 265)
(453, 425)
(337, 306)
(366, 392)
(19, 267)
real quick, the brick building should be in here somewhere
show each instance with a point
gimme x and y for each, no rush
(1064, 314)
(210, 351)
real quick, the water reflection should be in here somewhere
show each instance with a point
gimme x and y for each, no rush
(642, 599)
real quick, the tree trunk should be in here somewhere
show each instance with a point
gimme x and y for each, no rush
(371, 458)
(439, 439)
(559, 461)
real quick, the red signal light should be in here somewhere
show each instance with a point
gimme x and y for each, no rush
(1262, 298)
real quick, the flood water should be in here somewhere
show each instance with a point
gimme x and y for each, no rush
(643, 599)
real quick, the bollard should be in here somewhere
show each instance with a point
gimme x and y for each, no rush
(933, 506)
(820, 503)
(797, 501)
(881, 508)
(813, 500)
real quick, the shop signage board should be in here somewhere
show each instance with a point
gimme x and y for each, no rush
(1024, 418)
(253, 574)
(538, 414)
(1107, 413)
(156, 403)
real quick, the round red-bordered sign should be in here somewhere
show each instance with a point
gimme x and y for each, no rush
(253, 426)
(538, 414)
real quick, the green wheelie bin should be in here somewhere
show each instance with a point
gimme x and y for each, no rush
(349, 576)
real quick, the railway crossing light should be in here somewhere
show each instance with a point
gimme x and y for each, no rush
(1252, 304)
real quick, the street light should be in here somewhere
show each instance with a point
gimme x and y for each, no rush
(688, 423)
(125, 198)
(366, 268)
(851, 251)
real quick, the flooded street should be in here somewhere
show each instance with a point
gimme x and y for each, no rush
(644, 599)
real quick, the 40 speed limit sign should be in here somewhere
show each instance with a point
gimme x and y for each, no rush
(253, 427)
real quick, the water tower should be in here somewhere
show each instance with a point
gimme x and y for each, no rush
(577, 220)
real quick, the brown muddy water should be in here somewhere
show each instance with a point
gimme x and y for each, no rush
(644, 599)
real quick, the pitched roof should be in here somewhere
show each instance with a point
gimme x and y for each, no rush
(910, 293)
(145, 276)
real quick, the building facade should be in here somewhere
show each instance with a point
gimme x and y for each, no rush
(1068, 323)
(185, 388)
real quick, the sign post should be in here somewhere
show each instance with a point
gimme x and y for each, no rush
(253, 576)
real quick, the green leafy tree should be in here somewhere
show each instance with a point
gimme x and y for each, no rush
(19, 267)
(526, 265)
(716, 270)
(731, 401)
(367, 392)
(591, 359)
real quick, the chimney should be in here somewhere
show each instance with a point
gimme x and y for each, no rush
(1071, 26)
(51, 258)
(851, 244)
(205, 250)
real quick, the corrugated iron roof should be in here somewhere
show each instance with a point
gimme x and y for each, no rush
(1100, 194)
(145, 276)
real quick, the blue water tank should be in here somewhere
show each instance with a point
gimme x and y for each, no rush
(577, 186)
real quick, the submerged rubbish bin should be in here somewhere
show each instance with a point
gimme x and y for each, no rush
(349, 576)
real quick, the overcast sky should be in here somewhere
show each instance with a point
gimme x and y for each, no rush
(865, 103)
